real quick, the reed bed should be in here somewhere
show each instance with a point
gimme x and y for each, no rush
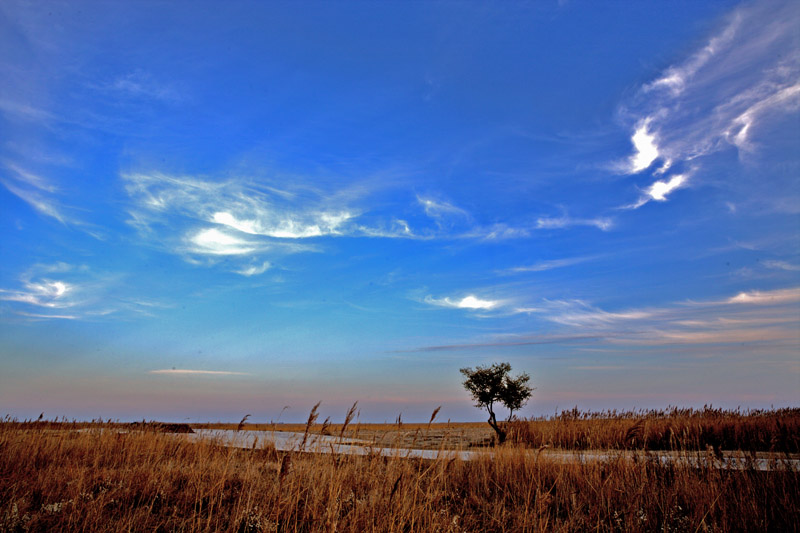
(775, 430)
(56, 478)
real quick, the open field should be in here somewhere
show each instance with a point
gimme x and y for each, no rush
(671, 429)
(106, 477)
(457, 436)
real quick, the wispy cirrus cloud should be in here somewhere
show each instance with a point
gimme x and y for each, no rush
(36, 200)
(42, 316)
(778, 296)
(230, 218)
(516, 341)
(602, 223)
(34, 190)
(501, 231)
(254, 270)
(781, 265)
(549, 264)
(207, 219)
(42, 293)
(45, 286)
(31, 179)
(739, 311)
(578, 313)
(72, 292)
(142, 84)
(760, 317)
(25, 111)
(441, 210)
(743, 80)
(239, 205)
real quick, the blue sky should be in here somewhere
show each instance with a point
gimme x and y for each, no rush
(208, 210)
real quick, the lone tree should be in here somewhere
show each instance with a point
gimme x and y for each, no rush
(493, 384)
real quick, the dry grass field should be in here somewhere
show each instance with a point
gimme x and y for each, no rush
(109, 477)
(775, 430)
(453, 436)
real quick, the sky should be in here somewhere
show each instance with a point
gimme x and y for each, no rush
(216, 209)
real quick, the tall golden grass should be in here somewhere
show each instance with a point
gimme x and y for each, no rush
(54, 477)
(776, 430)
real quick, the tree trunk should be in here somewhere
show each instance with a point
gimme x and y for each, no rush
(501, 434)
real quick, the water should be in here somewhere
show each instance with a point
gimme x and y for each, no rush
(293, 442)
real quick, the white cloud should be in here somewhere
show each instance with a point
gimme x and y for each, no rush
(439, 209)
(499, 231)
(30, 178)
(141, 84)
(659, 190)
(25, 111)
(747, 317)
(45, 288)
(398, 229)
(769, 318)
(676, 76)
(787, 99)
(249, 219)
(646, 150)
(316, 224)
(41, 293)
(183, 371)
(781, 265)
(741, 83)
(245, 226)
(238, 204)
(551, 264)
(215, 242)
(34, 190)
(602, 223)
(778, 296)
(41, 195)
(495, 232)
(467, 302)
(159, 192)
(579, 313)
(254, 270)
(528, 310)
(43, 316)
(36, 200)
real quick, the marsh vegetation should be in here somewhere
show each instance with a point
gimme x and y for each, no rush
(110, 477)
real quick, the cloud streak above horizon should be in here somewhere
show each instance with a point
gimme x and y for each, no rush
(760, 317)
(188, 372)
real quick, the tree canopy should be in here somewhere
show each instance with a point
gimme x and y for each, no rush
(491, 385)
